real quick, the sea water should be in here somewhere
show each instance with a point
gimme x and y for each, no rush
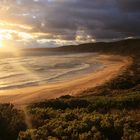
(30, 70)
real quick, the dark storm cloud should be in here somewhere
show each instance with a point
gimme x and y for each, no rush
(101, 19)
(129, 5)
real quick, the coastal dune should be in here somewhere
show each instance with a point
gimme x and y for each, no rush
(112, 66)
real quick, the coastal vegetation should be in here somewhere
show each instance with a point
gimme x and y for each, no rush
(67, 118)
(12, 121)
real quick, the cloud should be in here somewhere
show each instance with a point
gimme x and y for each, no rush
(129, 5)
(62, 19)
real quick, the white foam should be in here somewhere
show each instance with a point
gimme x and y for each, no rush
(36, 70)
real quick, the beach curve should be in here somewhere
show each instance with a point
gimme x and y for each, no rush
(113, 65)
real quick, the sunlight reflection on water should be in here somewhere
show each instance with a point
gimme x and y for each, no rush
(37, 70)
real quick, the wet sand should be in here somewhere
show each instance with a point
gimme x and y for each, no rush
(113, 65)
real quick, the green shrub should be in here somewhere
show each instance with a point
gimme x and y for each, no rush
(11, 122)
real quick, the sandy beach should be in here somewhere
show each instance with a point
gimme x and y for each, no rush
(113, 65)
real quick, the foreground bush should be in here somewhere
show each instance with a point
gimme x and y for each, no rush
(70, 118)
(11, 122)
(77, 124)
(84, 118)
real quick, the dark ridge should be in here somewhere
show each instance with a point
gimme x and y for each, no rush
(125, 47)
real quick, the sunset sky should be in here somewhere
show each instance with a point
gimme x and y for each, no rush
(51, 23)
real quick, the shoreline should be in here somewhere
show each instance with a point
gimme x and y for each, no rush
(113, 65)
(37, 72)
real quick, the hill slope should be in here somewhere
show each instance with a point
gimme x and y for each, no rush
(124, 47)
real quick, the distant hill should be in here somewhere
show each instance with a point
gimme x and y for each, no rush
(125, 47)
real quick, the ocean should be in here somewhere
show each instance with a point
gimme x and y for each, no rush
(34, 70)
